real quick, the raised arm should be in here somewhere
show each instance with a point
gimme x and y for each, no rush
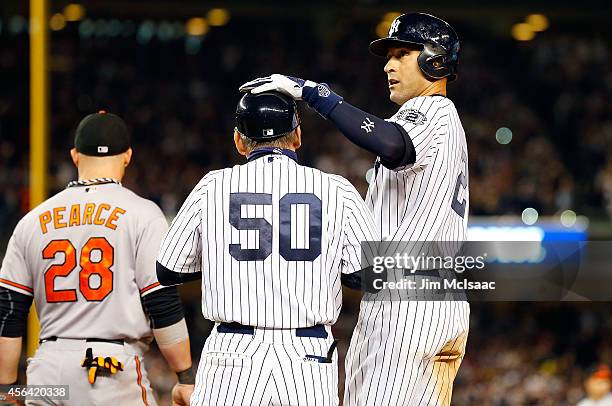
(387, 140)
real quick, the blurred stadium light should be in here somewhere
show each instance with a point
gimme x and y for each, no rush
(57, 22)
(529, 216)
(74, 12)
(382, 28)
(196, 26)
(522, 32)
(503, 135)
(217, 17)
(537, 22)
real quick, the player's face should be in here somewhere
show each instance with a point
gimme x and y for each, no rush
(404, 78)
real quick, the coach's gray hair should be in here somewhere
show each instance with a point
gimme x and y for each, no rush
(281, 142)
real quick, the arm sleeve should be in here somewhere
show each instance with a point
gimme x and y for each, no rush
(358, 228)
(386, 139)
(163, 307)
(168, 278)
(181, 248)
(14, 273)
(14, 309)
(147, 248)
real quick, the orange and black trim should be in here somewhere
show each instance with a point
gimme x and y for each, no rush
(148, 288)
(17, 285)
(139, 381)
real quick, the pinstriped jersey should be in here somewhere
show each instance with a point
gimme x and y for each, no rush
(427, 200)
(271, 238)
(87, 255)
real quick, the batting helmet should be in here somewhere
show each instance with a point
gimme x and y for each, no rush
(439, 41)
(266, 116)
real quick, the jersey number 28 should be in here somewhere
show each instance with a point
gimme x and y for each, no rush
(237, 200)
(101, 268)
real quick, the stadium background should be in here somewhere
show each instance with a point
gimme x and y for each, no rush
(533, 94)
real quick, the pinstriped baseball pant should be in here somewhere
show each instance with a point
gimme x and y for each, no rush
(406, 352)
(271, 367)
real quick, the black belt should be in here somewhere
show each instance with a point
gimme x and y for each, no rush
(317, 331)
(89, 340)
(436, 273)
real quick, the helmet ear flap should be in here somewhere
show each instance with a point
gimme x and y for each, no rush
(433, 62)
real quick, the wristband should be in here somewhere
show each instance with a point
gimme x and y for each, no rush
(321, 98)
(186, 377)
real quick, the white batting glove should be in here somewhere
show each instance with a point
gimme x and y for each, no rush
(291, 86)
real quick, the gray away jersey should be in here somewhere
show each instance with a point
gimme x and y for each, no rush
(87, 255)
(271, 238)
(428, 200)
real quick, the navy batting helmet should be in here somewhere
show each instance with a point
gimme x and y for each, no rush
(266, 116)
(439, 42)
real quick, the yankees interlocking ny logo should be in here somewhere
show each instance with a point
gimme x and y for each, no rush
(394, 27)
(368, 125)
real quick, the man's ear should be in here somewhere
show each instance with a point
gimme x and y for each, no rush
(127, 157)
(239, 144)
(75, 157)
(298, 138)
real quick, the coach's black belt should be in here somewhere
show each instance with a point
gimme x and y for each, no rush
(89, 340)
(317, 331)
(436, 273)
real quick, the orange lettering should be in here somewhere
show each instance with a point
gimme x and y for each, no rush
(88, 214)
(97, 220)
(44, 218)
(75, 215)
(113, 217)
(57, 217)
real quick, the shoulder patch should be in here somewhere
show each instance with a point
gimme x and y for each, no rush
(412, 116)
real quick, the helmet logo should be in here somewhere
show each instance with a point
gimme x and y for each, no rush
(268, 132)
(394, 27)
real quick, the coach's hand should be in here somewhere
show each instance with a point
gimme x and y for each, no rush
(291, 86)
(317, 95)
(181, 394)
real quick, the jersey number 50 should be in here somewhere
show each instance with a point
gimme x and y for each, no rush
(88, 268)
(237, 200)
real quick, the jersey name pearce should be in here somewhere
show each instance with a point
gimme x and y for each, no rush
(101, 214)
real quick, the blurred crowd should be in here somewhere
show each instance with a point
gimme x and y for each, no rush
(550, 97)
(532, 353)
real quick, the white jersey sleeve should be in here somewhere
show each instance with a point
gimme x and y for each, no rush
(147, 248)
(424, 120)
(15, 273)
(181, 247)
(358, 228)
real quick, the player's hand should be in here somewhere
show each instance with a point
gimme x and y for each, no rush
(181, 394)
(289, 85)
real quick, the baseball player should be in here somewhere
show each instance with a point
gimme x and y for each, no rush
(405, 352)
(87, 257)
(271, 240)
(598, 387)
